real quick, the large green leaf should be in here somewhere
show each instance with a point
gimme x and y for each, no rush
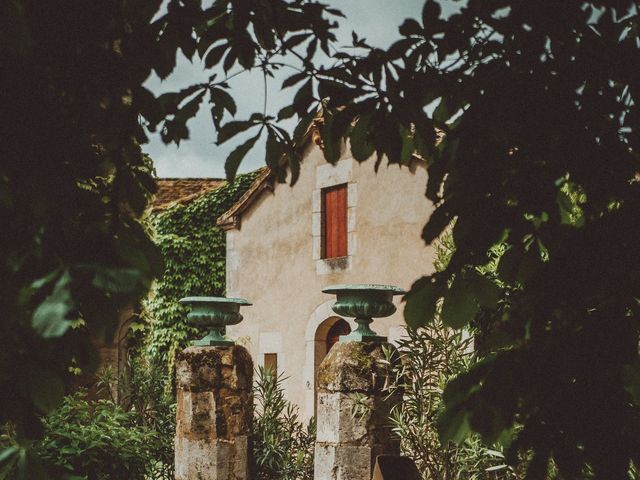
(459, 305)
(50, 317)
(234, 159)
(453, 425)
(486, 292)
(421, 303)
(117, 280)
(361, 147)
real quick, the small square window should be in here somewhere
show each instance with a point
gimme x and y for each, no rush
(334, 221)
(271, 363)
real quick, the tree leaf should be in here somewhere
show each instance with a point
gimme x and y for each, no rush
(410, 27)
(361, 147)
(220, 96)
(50, 317)
(293, 79)
(214, 55)
(117, 280)
(453, 425)
(441, 113)
(231, 129)
(484, 290)
(234, 159)
(303, 97)
(459, 305)
(421, 302)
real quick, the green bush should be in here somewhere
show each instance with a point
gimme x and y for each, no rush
(282, 444)
(96, 440)
(432, 356)
(142, 392)
(102, 439)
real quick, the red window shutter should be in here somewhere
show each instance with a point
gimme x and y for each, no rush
(335, 222)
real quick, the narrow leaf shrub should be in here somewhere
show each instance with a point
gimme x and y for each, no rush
(430, 357)
(282, 444)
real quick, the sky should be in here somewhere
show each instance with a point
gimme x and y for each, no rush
(199, 156)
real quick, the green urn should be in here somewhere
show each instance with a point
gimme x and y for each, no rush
(214, 313)
(364, 302)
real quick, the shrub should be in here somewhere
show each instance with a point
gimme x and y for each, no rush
(142, 392)
(97, 441)
(430, 357)
(282, 444)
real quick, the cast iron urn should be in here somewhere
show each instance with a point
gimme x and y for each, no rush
(364, 302)
(214, 314)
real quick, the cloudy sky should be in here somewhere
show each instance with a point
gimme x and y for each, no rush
(376, 20)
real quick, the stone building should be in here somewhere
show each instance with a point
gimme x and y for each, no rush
(341, 223)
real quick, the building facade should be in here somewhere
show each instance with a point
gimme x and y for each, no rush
(341, 223)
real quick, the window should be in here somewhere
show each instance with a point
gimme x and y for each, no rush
(271, 363)
(334, 222)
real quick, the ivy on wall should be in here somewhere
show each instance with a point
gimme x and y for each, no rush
(193, 248)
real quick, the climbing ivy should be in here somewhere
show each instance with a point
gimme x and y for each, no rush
(193, 248)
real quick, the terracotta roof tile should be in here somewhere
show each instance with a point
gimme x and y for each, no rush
(181, 190)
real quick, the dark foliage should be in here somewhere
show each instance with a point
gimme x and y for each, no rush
(537, 104)
(73, 180)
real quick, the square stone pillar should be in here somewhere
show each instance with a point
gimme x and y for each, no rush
(214, 413)
(347, 445)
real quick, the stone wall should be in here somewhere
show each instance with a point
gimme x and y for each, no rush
(214, 413)
(348, 441)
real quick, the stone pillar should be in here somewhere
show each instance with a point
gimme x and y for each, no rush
(214, 413)
(347, 445)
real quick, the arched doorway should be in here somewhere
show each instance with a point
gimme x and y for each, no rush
(319, 324)
(338, 329)
(327, 334)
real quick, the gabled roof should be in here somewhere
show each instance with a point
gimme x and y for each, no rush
(265, 180)
(231, 218)
(173, 191)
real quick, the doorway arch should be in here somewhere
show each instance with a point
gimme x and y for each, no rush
(319, 326)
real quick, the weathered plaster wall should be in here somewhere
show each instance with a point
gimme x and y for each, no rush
(273, 258)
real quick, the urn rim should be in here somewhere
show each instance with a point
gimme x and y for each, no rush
(358, 287)
(236, 301)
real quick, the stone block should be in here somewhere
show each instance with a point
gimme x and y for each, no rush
(342, 462)
(216, 460)
(347, 443)
(214, 413)
(338, 423)
(354, 367)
